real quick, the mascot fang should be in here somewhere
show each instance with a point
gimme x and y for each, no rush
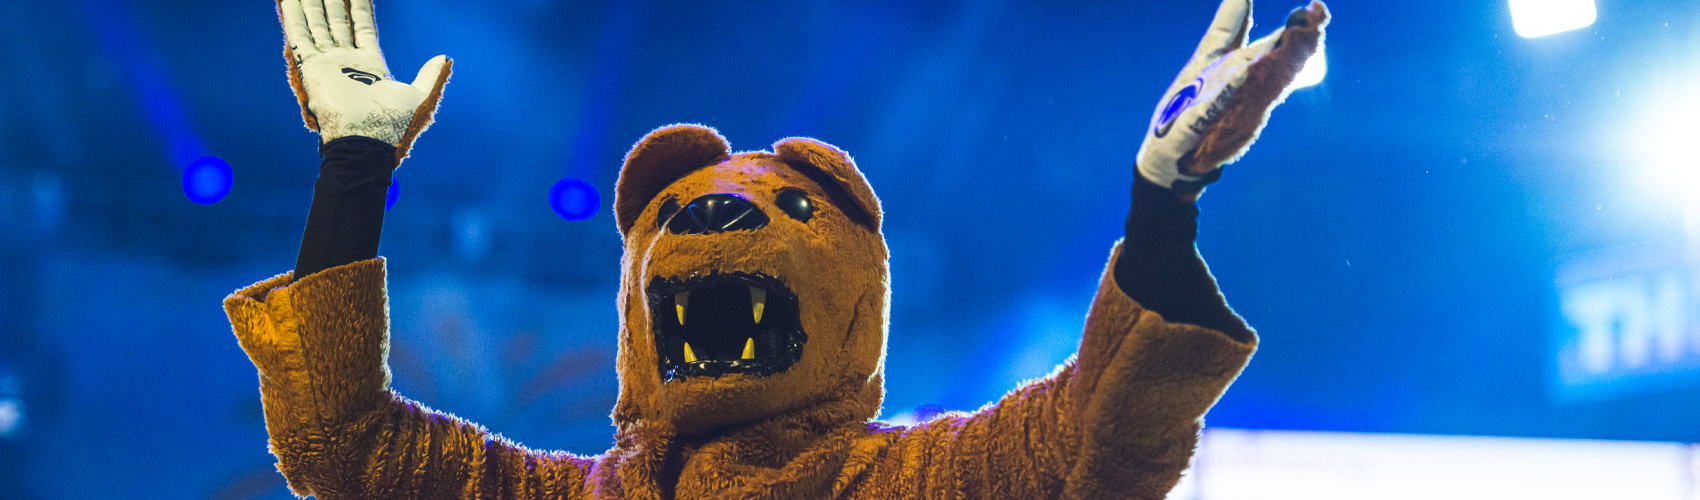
(754, 301)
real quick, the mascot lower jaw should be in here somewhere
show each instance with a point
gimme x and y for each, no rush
(754, 285)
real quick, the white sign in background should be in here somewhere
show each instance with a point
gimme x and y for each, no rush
(1629, 321)
(1236, 464)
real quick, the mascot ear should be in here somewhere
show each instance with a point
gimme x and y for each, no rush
(833, 169)
(660, 158)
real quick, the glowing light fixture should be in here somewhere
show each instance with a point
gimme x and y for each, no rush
(1538, 18)
(573, 199)
(1669, 145)
(1663, 144)
(1654, 145)
(1669, 149)
(1315, 69)
(207, 180)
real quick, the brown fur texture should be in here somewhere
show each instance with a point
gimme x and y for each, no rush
(1119, 421)
(657, 160)
(1266, 85)
(296, 86)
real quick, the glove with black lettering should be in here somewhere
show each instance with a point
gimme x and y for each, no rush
(341, 81)
(1222, 99)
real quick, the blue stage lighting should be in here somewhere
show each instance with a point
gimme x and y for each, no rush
(207, 180)
(1538, 18)
(390, 196)
(573, 199)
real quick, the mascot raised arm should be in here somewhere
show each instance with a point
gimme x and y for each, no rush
(753, 306)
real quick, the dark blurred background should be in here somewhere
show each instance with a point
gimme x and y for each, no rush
(1405, 236)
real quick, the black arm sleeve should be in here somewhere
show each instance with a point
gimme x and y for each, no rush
(1159, 266)
(348, 204)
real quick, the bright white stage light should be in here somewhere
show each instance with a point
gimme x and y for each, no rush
(1655, 145)
(1315, 69)
(1670, 151)
(1538, 18)
(1666, 144)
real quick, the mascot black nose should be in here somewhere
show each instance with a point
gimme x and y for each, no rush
(713, 213)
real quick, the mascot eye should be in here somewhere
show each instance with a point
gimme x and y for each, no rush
(795, 204)
(668, 208)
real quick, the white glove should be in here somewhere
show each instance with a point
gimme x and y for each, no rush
(1216, 107)
(340, 78)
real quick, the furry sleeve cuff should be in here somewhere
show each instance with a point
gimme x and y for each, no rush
(320, 343)
(1119, 328)
(1120, 421)
(1141, 388)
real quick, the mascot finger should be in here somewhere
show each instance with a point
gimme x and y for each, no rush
(297, 44)
(315, 12)
(299, 87)
(336, 12)
(365, 24)
(430, 81)
(1264, 71)
(1227, 32)
(295, 30)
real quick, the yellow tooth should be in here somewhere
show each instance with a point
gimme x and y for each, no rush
(680, 302)
(750, 348)
(758, 302)
(690, 357)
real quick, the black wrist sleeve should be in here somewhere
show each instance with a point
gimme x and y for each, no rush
(347, 215)
(1159, 266)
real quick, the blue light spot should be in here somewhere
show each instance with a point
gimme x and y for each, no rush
(573, 199)
(207, 180)
(390, 196)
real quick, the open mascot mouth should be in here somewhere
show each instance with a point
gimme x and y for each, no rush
(708, 326)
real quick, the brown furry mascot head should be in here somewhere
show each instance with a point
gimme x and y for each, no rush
(754, 284)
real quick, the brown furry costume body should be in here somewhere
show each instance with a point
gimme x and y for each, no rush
(1121, 420)
(1118, 421)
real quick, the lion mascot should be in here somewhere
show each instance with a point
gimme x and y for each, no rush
(754, 297)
